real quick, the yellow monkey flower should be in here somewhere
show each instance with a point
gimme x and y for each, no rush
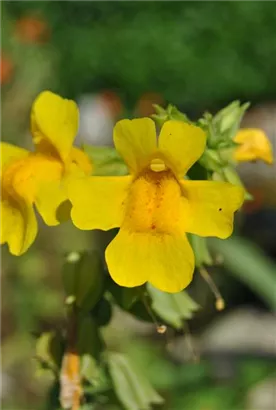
(253, 145)
(37, 178)
(154, 206)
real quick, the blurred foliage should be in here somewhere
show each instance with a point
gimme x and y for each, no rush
(195, 54)
(250, 265)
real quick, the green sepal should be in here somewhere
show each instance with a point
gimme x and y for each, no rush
(211, 160)
(170, 113)
(228, 119)
(222, 127)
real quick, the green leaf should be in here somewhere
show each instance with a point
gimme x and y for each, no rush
(173, 308)
(89, 338)
(83, 279)
(249, 264)
(89, 368)
(125, 297)
(89, 347)
(102, 312)
(131, 386)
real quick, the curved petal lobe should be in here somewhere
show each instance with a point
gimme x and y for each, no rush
(54, 124)
(182, 145)
(166, 261)
(19, 226)
(211, 207)
(48, 198)
(135, 140)
(98, 202)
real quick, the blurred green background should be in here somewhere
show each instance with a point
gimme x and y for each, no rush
(116, 59)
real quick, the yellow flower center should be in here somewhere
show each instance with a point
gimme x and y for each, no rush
(155, 203)
(22, 176)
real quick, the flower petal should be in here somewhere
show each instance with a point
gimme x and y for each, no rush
(48, 198)
(80, 160)
(254, 144)
(182, 145)
(11, 153)
(98, 202)
(211, 207)
(19, 225)
(54, 124)
(166, 261)
(135, 140)
(28, 175)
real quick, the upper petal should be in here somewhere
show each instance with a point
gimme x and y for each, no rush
(54, 124)
(135, 140)
(166, 261)
(211, 207)
(19, 225)
(98, 202)
(181, 144)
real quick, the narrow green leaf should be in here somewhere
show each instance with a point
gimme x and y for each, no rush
(132, 388)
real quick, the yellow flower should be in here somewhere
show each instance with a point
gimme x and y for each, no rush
(154, 206)
(254, 144)
(38, 177)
